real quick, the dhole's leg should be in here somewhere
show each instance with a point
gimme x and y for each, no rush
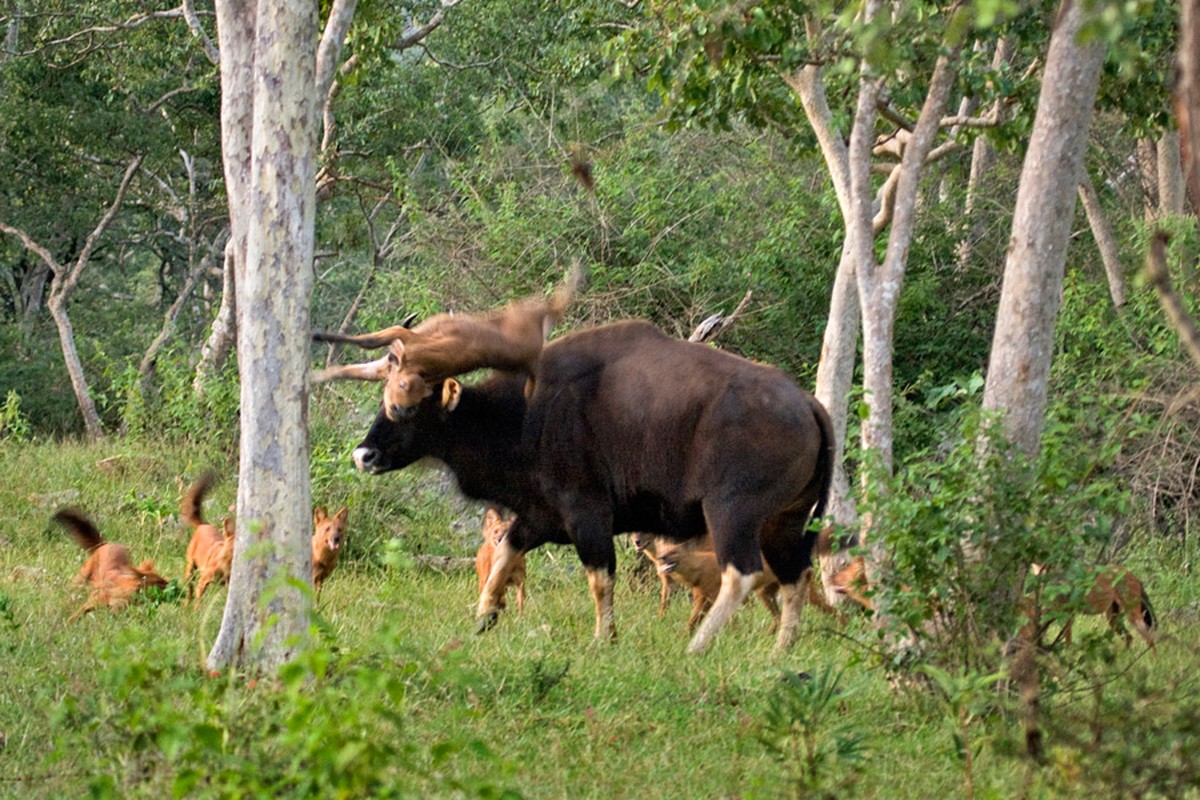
(206, 577)
(734, 588)
(83, 609)
(663, 594)
(700, 606)
(521, 593)
(769, 597)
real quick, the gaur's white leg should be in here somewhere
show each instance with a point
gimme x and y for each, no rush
(734, 588)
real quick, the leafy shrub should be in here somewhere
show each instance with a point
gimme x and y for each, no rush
(325, 726)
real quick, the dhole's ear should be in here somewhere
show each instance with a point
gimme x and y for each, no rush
(451, 394)
(227, 526)
(491, 515)
(319, 514)
(342, 514)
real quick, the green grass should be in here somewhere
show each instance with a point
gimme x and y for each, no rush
(120, 704)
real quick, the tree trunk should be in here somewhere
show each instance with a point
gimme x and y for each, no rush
(79, 383)
(1170, 175)
(1147, 164)
(1105, 241)
(269, 121)
(224, 328)
(983, 157)
(62, 286)
(1019, 363)
(879, 285)
(839, 348)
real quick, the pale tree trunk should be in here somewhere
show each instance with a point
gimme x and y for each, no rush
(1106, 243)
(835, 370)
(1187, 97)
(983, 158)
(1147, 164)
(269, 116)
(1023, 343)
(879, 285)
(1170, 175)
(62, 286)
(1019, 363)
(216, 348)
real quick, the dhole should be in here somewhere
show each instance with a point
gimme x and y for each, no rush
(1115, 591)
(210, 551)
(108, 567)
(328, 533)
(698, 569)
(495, 528)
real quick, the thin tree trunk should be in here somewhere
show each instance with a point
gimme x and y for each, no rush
(270, 114)
(62, 286)
(983, 158)
(1019, 363)
(1170, 175)
(223, 333)
(1106, 243)
(1147, 163)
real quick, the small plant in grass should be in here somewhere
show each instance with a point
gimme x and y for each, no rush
(13, 425)
(966, 698)
(806, 729)
(544, 676)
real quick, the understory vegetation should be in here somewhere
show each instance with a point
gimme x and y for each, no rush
(454, 184)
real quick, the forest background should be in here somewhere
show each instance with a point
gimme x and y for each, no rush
(471, 152)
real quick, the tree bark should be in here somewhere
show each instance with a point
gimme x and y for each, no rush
(983, 158)
(1170, 175)
(1019, 363)
(223, 333)
(62, 286)
(1106, 243)
(269, 119)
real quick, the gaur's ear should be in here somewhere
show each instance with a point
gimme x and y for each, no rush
(451, 394)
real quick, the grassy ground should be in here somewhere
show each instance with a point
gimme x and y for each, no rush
(399, 698)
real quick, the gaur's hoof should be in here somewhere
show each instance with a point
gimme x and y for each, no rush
(487, 622)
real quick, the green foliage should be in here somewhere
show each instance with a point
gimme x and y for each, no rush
(966, 698)
(805, 728)
(962, 530)
(14, 427)
(156, 729)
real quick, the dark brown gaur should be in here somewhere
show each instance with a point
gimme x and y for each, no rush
(627, 430)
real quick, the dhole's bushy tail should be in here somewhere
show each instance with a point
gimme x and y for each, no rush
(80, 527)
(190, 506)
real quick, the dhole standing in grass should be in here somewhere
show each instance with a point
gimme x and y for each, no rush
(495, 528)
(1114, 591)
(210, 551)
(108, 568)
(328, 536)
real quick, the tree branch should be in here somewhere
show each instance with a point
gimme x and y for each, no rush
(1160, 279)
